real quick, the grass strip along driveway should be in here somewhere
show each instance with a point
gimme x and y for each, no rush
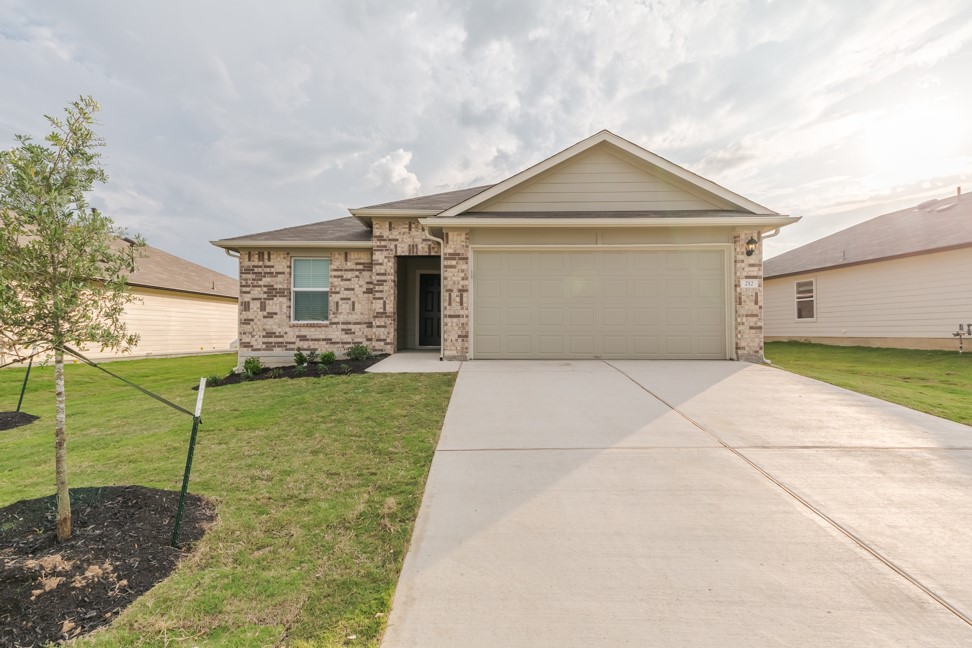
(935, 382)
(318, 483)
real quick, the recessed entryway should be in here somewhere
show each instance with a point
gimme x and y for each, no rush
(419, 306)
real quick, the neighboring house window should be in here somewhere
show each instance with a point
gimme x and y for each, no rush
(309, 289)
(806, 301)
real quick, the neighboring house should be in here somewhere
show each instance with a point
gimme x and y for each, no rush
(181, 309)
(901, 280)
(604, 250)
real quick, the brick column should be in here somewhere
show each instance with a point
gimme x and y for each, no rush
(392, 238)
(748, 327)
(455, 295)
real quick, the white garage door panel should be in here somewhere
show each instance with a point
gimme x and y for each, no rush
(622, 304)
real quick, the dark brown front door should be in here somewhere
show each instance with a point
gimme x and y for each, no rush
(430, 310)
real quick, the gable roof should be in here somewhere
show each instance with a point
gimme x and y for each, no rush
(663, 167)
(941, 225)
(347, 230)
(432, 202)
(159, 269)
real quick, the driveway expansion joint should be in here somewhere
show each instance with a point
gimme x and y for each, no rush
(813, 509)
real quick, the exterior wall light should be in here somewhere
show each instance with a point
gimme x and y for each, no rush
(751, 246)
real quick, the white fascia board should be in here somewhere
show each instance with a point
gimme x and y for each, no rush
(364, 216)
(236, 244)
(763, 223)
(623, 144)
(394, 213)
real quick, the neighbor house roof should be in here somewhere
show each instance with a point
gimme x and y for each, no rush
(158, 269)
(931, 226)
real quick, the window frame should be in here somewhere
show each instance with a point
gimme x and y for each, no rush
(812, 298)
(294, 290)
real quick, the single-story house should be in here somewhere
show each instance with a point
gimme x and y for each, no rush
(181, 308)
(604, 250)
(901, 280)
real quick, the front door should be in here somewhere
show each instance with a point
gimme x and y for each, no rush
(430, 310)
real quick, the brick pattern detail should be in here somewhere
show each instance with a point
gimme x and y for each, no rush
(455, 295)
(265, 317)
(392, 238)
(749, 302)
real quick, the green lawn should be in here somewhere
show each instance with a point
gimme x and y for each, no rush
(318, 482)
(937, 382)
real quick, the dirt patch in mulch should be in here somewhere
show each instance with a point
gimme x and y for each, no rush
(51, 591)
(11, 420)
(313, 370)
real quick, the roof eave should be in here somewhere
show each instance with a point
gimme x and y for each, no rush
(365, 214)
(184, 290)
(237, 244)
(763, 223)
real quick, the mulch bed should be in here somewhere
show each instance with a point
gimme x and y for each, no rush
(50, 591)
(11, 420)
(338, 368)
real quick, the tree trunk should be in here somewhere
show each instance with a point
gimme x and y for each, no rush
(60, 452)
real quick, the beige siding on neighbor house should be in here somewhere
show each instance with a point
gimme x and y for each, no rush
(171, 323)
(598, 181)
(923, 296)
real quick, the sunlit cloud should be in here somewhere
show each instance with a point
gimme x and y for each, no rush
(222, 123)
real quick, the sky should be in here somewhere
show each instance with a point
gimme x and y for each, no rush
(223, 119)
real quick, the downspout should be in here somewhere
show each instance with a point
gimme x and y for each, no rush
(230, 254)
(442, 320)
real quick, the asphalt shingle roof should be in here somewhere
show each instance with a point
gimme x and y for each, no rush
(439, 201)
(158, 269)
(348, 228)
(944, 224)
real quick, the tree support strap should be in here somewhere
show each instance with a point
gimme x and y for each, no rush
(127, 382)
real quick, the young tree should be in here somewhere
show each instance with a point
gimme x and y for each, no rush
(63, 269)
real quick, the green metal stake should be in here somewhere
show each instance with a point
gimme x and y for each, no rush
(196, 420)
(24, 387)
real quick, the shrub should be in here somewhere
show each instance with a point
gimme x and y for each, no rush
(313, 357)
(214, 381)
(358, 352)
(300, 359)
(252, 368)
(346, 368)
(327, 358)
(322, 369)
(300, 370)
(276, 372)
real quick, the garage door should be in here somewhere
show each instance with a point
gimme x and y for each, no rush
(664, 304)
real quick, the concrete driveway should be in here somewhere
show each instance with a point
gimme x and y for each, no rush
(686, 504)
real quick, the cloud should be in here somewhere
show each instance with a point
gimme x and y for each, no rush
(222, 123)
(391, 171)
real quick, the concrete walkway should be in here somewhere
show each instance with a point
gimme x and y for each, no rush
(686, 504)
(414, 362)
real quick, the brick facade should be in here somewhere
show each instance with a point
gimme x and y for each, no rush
(364, 289)
(748, 327)
(455, 295)
(393, 238)
(266, 329)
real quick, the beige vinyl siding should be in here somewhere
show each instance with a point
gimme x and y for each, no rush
(612, 236)
(598, 181)
(923, 296)
(172, 323)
